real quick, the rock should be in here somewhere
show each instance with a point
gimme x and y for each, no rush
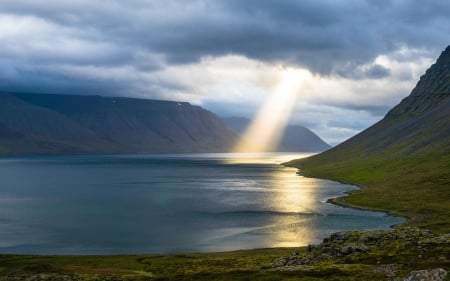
(347, 250)
(370, 237)
(352, 248)
(326, 249)
(339, 236)
(279, 262)
(388, 270)
(311, 248)
(437, 274)
(352, 243)
(284, 261)
(427, 233)
(292, 260)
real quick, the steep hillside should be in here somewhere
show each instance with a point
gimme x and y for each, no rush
(403, 161)
(41, 123)
(294, 138)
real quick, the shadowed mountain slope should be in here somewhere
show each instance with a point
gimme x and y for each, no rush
(44, 123)
(403, 161)
(294, 138)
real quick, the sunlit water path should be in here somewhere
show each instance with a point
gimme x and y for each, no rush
(167, 203)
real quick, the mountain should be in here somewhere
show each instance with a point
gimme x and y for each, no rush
(403, 161)
(294, 138)
(45, 123)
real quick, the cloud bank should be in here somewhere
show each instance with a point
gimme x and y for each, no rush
(363, 56)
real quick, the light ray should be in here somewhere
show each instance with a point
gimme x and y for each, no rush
(264, 132)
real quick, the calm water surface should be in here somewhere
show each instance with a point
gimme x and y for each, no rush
(167, 203)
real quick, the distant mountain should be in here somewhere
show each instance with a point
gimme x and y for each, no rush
(404, 159)
(44, 123)
(294, 138)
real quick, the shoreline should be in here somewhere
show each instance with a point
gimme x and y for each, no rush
(334, 200)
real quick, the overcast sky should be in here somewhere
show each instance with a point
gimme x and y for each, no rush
(362, 57)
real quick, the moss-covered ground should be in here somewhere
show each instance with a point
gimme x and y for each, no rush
(390, 254)
(416, 186)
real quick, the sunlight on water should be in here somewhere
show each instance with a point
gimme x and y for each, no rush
(267, 126)
(287, 198)
(290, 197)
(259, 157)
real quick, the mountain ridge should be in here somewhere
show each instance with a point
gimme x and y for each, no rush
(47, 123)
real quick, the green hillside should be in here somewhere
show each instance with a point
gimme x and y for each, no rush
(402, 163)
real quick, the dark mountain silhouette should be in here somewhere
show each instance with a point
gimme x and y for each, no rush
(44, 123)
(404, 159)
(294, 138)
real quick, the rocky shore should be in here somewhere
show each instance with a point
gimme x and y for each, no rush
(390, 253)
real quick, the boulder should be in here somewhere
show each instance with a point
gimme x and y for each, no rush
(437, 274)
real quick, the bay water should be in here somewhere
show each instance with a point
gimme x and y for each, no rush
(129, 204)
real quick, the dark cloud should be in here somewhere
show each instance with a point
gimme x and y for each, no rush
(36, 80)
(328, 37)
(319, 35)
(374, 71)
(377, 71)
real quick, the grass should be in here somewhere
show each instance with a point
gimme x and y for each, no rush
(405, 254)
(416, 186)
(239, 265)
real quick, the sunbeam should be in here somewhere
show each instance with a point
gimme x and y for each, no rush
(264, 132)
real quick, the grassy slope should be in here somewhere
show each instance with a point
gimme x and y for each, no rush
(415, 186)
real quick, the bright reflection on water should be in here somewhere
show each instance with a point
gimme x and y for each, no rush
(289, 198)
(167, 203)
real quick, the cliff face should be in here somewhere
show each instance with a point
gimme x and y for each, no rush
(418, 125)
(432, 89)
(293, 139)
(41, 123)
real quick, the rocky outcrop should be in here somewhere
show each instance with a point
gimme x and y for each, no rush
(432, 88)
(381, 245)
(437, 274)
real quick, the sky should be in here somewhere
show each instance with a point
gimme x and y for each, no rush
(357, 58)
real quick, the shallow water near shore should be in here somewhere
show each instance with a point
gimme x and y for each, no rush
(129, 204)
